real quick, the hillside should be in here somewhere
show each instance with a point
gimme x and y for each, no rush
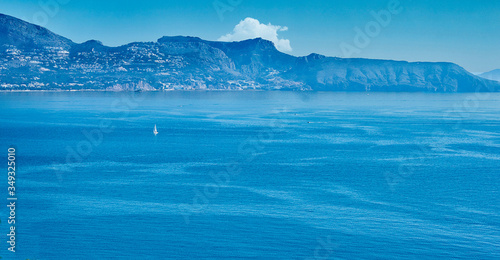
(33, 58)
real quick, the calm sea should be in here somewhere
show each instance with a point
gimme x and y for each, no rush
(252, 175)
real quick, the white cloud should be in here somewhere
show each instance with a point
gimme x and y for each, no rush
(251, 28)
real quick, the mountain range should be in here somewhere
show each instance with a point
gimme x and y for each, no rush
(34, 58)
(491, 75)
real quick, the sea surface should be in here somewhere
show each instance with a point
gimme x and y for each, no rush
(252, 175)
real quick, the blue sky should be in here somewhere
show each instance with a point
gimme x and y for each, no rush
(465, 32)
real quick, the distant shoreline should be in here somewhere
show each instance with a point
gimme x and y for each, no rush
(239, 90)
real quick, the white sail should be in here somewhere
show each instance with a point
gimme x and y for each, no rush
(155, 131)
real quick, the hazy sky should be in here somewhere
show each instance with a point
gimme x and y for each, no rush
(465, 32)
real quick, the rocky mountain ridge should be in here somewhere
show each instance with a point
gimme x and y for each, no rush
(33, 58)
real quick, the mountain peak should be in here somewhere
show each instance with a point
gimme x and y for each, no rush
(26, 35)
(93, 42)
(315, 56)
(89, 46)
(261, 42)
(491, 75)
(179, 38)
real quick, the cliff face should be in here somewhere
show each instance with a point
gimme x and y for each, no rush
(32, 57)
(382, 75)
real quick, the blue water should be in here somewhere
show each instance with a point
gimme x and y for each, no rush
(247, 175)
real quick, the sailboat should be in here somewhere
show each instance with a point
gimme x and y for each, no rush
(155, 131)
